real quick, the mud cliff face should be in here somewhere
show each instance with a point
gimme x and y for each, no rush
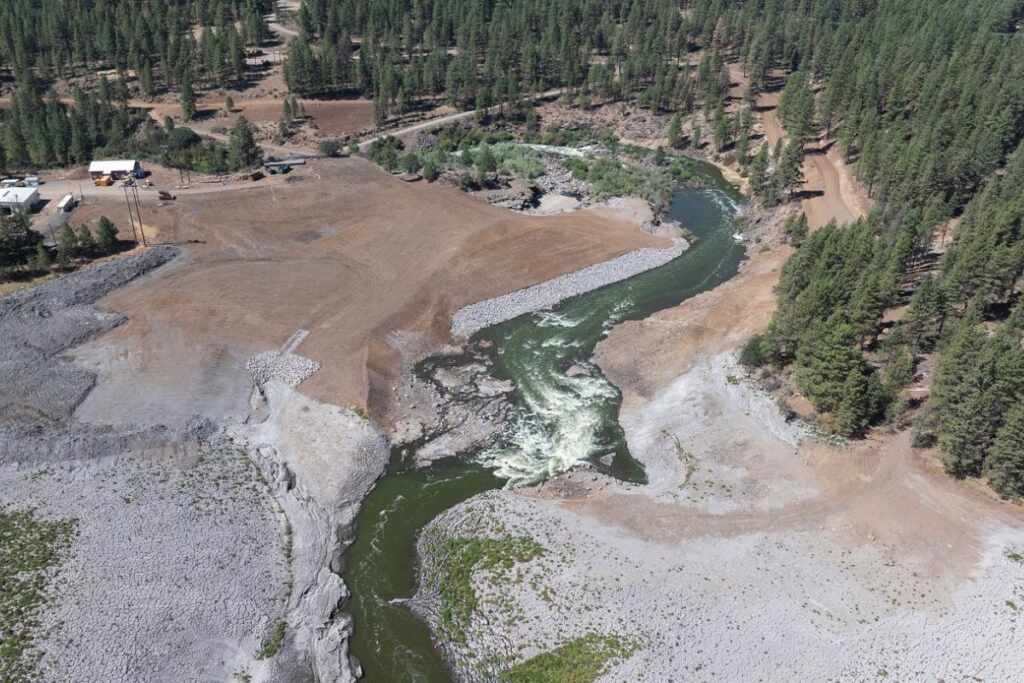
(320, 460)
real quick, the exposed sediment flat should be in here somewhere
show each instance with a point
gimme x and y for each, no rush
(475, 317)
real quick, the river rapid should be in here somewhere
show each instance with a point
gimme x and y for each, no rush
(566, 413)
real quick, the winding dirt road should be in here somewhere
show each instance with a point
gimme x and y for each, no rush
(841, 198)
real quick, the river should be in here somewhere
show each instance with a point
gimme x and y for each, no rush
(566, 413)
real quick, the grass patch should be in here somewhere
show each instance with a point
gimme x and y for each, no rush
(13, 286)
(579, 661)
(686, 458)
(461, 558)
(273, 646)
(1014, 556)
(29, 548)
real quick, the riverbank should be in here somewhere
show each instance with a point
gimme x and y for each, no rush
(471, 319)
(752, 547)
(284, 465)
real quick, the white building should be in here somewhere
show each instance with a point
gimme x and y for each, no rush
(117, 168)
(18, 198)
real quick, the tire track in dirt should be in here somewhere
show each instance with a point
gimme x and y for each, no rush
(841, 199)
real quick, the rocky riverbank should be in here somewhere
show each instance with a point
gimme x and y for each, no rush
(475, 317)
(749, 552)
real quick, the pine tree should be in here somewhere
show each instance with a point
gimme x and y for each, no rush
(759, 172)
(187, 98)
(67, 245)
(106, 235)
(243, 152)
(86, 242)
(796, 229)
(675, 132)
(41, 262)
(854, 412)
(790, 169)
(17, 240)
(1005, 462)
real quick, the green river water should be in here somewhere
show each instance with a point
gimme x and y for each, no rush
(562, 418)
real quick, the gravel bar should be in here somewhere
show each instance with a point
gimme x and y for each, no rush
(475, 317)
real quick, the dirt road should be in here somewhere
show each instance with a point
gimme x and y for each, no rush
(841, 198)
(440, 121)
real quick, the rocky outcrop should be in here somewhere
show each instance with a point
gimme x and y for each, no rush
(320, 460)
(448, 404)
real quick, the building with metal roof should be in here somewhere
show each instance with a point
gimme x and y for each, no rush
(115, 168)
(18, 198)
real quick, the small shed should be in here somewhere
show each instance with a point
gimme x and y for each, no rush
(116, 169)
(14, 199)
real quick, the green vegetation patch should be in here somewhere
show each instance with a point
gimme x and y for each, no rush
(29, 548)
(582, 660)
(273, 646)
(519, 161)
(464, 556)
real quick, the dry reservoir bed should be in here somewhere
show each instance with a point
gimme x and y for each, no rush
(122, 378)
(736, 563)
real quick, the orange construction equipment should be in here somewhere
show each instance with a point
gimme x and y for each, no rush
(104, 181)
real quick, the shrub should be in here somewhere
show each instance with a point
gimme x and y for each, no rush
(519, 161)
(330, 148)
(753, 354)
(410, 163)
(272, 646)
(384, 152)
(430, 171)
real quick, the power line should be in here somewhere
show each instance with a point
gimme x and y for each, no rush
(131, 215)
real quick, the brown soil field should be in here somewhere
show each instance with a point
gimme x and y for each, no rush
(340, 117)
(344, 251)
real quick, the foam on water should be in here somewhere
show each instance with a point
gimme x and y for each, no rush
(559, 430)
(552, 319)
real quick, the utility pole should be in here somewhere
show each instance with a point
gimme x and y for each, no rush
(131, 215)
(138, 213)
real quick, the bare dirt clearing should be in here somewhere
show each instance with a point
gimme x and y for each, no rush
(318, 253)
